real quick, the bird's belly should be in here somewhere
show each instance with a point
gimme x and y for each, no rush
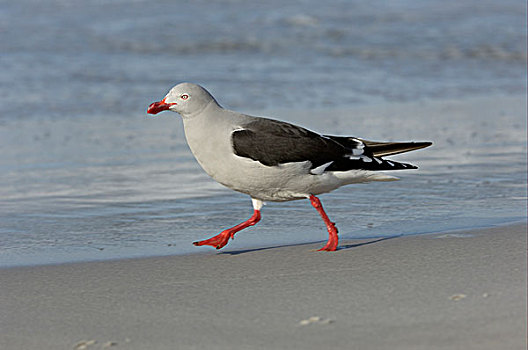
(285, 182)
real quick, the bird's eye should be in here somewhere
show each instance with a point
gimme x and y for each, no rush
(184, 96)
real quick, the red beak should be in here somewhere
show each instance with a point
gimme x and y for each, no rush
(159, 106)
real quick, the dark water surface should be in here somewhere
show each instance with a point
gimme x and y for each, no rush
(84, 174)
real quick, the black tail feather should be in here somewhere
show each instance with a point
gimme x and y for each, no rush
(368, 163)
(379, 149)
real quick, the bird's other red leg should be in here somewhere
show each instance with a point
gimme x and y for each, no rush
(220, 240)
(331, 245)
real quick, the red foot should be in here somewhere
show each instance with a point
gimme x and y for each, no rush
(219, 241)
(331, 245)
(333, 240)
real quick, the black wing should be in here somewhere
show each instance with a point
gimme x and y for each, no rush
(273, 142)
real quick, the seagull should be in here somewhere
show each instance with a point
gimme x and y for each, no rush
(272, 160)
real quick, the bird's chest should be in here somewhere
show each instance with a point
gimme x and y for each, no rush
(211, 146)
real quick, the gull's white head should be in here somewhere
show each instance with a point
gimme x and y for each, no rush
(185, 98)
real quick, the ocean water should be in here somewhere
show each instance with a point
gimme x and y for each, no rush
(85, 174)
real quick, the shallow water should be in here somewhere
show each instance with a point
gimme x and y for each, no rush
(86, 175)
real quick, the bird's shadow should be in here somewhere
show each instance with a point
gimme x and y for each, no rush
(341, 247)
(375, 240)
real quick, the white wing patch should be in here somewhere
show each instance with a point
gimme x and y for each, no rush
(366, 159)
(357, 151)
(361, 158)
(359, 148)
(320, 169)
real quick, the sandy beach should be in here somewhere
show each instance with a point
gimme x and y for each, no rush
(457, 290)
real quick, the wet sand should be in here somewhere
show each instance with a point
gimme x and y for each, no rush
(458, 290)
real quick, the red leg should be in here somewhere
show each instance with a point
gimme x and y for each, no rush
(331, 245)
(220, 240)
